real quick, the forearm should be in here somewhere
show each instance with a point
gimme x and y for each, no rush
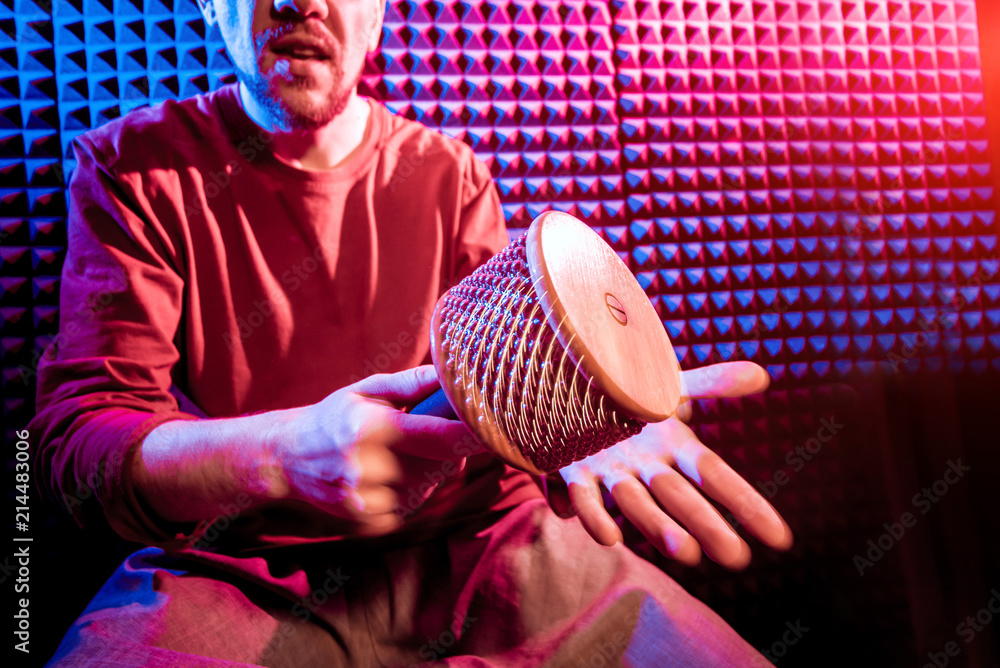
(186, 470)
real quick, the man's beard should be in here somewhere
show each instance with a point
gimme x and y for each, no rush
(291, 113)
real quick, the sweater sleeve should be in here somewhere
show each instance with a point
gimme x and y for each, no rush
(104, 382)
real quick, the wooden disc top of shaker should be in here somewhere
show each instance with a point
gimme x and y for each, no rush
(603, 317)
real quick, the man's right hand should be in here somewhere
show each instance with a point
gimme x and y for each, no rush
(354, 453)
(351, 455)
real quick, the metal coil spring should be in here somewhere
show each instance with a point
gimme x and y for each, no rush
(510, 365)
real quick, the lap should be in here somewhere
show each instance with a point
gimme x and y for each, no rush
(157, 611)
(553, 596)
(526, 589)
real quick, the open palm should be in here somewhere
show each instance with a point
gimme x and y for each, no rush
(660, 479)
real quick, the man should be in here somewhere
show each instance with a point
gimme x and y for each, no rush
(262, 249)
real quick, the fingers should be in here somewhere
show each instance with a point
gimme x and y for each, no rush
(727, 487)
(585, 499)
(431, 437)
(729, 379)
(556, 492)
(405, 388)
(383, 467)
(378, 525)
(423, 436)
(677, 495)
(376, 500)
(662, 488)
(379, 469)
(660, 529)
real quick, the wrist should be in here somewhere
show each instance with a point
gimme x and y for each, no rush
(280, 436)
(186, 470)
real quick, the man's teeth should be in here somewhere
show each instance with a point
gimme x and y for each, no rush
(303, 53)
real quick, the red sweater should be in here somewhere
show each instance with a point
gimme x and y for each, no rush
(198, 260)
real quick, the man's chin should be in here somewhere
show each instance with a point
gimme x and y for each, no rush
(300, 102)
(298, 106)
(304, 103)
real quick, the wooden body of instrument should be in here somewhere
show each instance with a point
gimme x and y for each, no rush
(551, 351)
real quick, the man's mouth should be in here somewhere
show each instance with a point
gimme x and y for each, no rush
(300, 52)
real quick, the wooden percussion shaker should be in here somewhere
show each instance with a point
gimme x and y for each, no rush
(551, 351)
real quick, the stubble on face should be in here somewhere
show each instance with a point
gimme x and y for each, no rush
(300, 102)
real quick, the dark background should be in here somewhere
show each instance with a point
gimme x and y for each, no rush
(807, 184)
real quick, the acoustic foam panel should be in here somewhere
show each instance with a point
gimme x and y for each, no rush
(805, 184)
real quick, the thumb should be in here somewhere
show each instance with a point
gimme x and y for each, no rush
(403, 388)
(727, 379)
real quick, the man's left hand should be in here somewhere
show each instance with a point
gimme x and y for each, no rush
(659, 479)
